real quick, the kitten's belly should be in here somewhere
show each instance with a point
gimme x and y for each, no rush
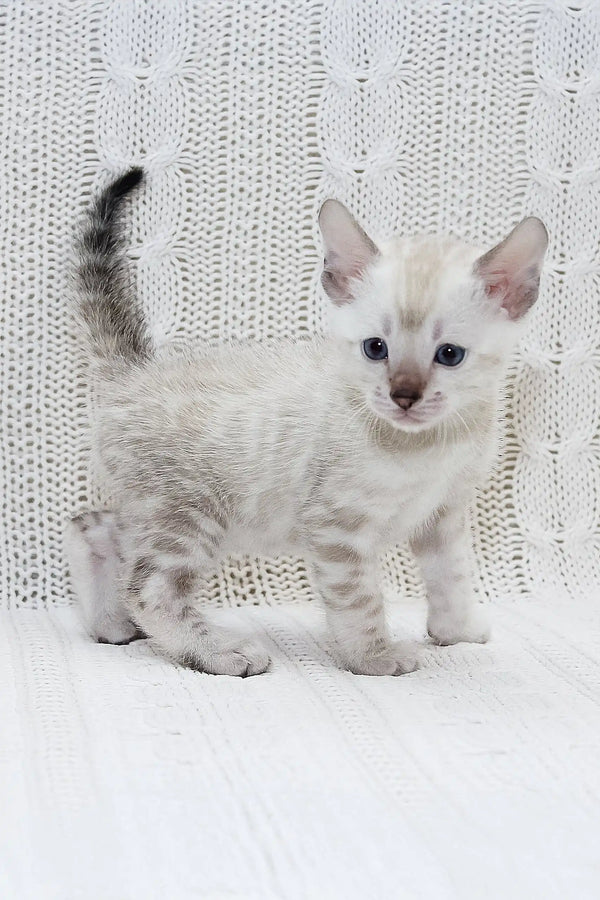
(270, 539)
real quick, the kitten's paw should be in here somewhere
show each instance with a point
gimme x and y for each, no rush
(447, 629)
(243, 659)
(398, 658)
(122, 631)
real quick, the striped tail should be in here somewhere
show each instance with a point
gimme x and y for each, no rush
(108, 308)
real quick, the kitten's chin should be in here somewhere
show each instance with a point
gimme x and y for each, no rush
(410, 426)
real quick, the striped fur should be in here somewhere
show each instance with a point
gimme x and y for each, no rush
(293, 447)
(108, 308)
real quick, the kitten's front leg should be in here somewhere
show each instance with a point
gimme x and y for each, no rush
(454, 614)
(349, 585)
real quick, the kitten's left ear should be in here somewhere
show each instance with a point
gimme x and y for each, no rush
(348, 251)
(511, 271)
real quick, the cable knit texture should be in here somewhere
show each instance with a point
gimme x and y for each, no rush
(422, 117)
(433, 117)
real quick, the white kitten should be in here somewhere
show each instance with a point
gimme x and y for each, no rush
(333, 448)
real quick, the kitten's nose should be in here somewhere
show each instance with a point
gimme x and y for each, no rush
(406, 388)
(405, 398)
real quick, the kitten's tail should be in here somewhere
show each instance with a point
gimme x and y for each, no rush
(108, 308)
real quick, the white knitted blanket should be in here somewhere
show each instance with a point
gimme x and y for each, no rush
(124, 777)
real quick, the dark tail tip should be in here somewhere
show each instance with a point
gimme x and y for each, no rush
(126, 182)
(110, 198)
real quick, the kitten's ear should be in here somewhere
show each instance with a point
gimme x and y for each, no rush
(348, 251)
(511, 271)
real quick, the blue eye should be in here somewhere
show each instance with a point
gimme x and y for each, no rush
(449, 355)
(375, 348)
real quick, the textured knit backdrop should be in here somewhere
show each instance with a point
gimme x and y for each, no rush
(421, 116)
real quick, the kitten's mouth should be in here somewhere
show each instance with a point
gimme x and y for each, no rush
(407, 419)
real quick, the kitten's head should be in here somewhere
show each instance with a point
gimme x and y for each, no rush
(428, 322)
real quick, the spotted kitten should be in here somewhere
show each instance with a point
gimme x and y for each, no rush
(334, 448)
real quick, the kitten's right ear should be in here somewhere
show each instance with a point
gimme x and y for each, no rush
(348, 251)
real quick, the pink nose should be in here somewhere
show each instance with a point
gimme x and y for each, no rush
(405, 398)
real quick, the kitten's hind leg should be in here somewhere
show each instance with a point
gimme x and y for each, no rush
(93, 553)
(163, 571)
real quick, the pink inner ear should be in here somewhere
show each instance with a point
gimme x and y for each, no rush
(497, 285)
(506, 294)
(357, 267)
(515, 296)
(348, 251)
(338, 273)
(351, 264)
(335, 284)
(511, 271)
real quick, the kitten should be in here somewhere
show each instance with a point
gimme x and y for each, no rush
(334, 448)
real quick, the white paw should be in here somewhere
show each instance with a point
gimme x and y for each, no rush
(243, 659)
(398, 658)
(473, 627)
(116, 631)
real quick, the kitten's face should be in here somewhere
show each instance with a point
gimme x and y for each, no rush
(428, 322)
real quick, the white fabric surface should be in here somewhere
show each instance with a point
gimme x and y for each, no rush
(434, 116)
(122, 776)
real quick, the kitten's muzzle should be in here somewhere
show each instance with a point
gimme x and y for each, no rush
(406, 390)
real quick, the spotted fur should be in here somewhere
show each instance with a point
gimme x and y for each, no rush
(300, 446)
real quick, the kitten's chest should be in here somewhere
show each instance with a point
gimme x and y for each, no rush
(408, 490)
